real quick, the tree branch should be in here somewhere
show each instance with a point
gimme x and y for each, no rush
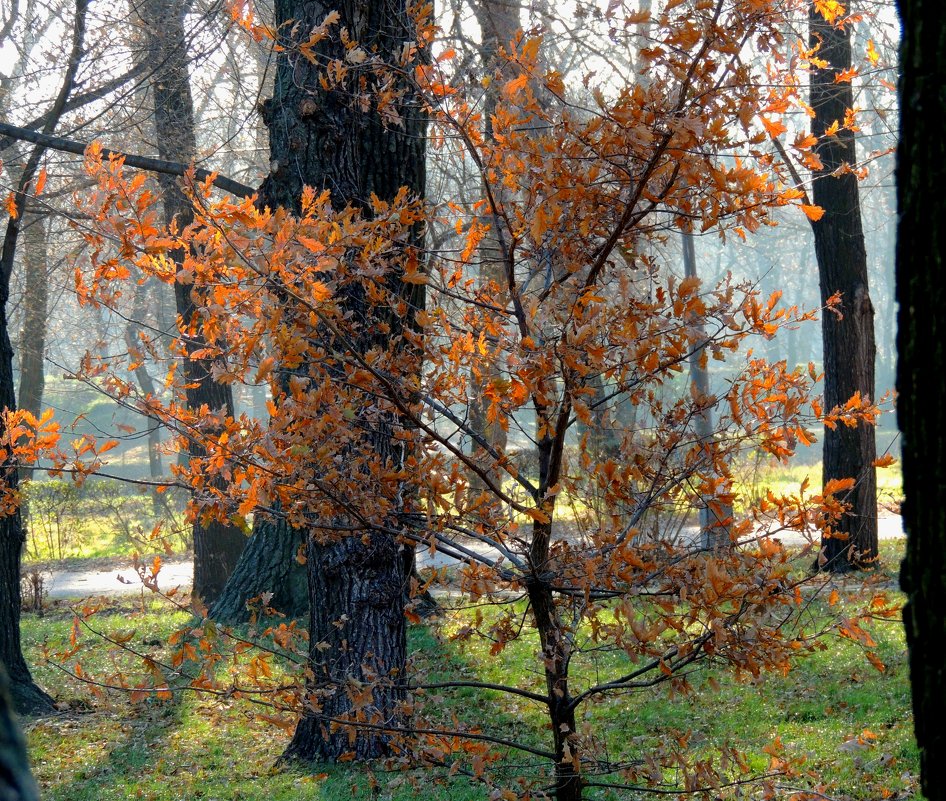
(139, 162)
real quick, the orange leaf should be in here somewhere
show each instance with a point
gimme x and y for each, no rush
(884, 461)
(40, 181)
(516, 85)
(836, 485)
(813, 213)
(774, 128)
(846, 76)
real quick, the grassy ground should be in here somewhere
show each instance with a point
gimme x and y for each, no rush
(754, 478)
(101, 519)
(850, 723)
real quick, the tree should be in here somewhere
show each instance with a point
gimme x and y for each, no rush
(326, 138)
(217, 544)
(499, 24)
(714, 518)
(921, 170)
(848, 334)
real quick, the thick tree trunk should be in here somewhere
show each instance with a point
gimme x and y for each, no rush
(217, 546)
(365, 583)
(268, 564)
(27, 697)
(16, 781)
(324, 139)
(842, 267)
(921, 373)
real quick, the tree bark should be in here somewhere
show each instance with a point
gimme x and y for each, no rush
(321, 138)
(16, 781)
(921, 372)
(268, 564)
(217, 546)
(842, 267)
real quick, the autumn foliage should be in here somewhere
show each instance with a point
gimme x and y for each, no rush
(585, 340)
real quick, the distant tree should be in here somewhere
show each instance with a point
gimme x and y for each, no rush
(848, 335)
(217, 544)
(921, 371)
(35, 316)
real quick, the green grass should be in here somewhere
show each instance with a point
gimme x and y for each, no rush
(199, 747)
(754, 478)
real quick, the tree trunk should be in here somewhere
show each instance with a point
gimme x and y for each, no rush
(268, 564)
(35, 314)
(321, 138)
(35, 302)
(714, 518)
(16, 781)
(842, 267)
(147, 386)
(499, 21)
(217, 546)
(27, 697)
(921, 374)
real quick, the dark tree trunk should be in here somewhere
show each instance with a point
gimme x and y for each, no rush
(217, 546)
(921, 372)
(27, 697)
(35, 314)
(268, 564)
(324, 139)
(842, 267)
(16, 781)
